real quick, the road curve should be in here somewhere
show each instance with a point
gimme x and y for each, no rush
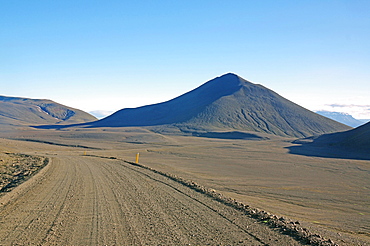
(81, 200)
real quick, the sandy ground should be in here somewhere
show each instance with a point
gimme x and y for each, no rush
(97, 196)
(93, 201)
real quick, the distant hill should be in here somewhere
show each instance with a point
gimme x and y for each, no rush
(16, 111)
(227, 103)
(358, 138)
(352, 144)
(343, 118)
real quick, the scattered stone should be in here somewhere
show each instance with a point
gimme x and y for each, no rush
(286, 226)
(17, 168)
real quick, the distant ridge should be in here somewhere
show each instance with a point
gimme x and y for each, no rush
(227, 103)
(343, 118)
(17, 111)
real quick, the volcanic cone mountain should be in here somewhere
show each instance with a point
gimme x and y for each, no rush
(16, 111)
(227, 103)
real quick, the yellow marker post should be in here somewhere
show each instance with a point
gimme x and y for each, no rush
(137, 158)
(85, 153)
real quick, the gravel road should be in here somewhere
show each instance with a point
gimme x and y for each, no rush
(82, 200)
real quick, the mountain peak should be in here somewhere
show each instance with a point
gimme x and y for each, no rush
(230, 75)
(227, 102)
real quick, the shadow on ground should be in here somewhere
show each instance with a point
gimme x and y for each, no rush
(327, 151)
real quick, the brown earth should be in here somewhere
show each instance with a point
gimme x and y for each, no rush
(17, 168)
(81, 199)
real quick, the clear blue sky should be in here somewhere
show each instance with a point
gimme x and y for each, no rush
(108, 55)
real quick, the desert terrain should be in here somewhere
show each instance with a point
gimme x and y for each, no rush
(89, 194)
(185, 123)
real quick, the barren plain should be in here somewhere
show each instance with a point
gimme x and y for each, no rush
(89, 195)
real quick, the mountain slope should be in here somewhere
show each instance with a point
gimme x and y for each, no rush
(358, 138)
(24, 111)
(227, 103)
(352, 144)
(343, 118)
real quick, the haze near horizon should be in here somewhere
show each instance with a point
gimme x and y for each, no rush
(109, 56)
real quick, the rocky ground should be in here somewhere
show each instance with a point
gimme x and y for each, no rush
(110, 202)
(186, 190)
(16, 168)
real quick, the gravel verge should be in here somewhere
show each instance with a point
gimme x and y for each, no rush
(285, 225)
(15, 168)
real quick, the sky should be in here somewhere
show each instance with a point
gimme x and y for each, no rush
(108, 55)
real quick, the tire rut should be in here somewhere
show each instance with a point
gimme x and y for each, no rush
(218, 212)
(38, 209)
(94, 201)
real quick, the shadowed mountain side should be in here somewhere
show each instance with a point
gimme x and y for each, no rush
(352, 144)
(15, 111)
(179, 109)
(227, 103)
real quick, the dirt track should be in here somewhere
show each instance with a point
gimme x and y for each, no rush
(80, 200)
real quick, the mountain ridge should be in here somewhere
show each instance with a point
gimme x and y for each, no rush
(351, 144)
(343, 118)
(358, 138)
(20, 111)
(227, 103)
